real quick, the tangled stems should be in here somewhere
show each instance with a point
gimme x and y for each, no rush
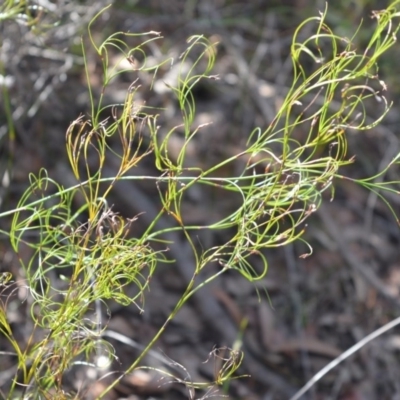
(84, 256)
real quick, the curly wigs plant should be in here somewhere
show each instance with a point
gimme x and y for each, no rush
(84, 256)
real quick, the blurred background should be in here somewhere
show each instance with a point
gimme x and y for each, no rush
(305, 312)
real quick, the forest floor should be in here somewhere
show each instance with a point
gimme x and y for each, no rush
(305, 311)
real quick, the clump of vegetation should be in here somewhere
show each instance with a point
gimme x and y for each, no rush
(83, 257)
